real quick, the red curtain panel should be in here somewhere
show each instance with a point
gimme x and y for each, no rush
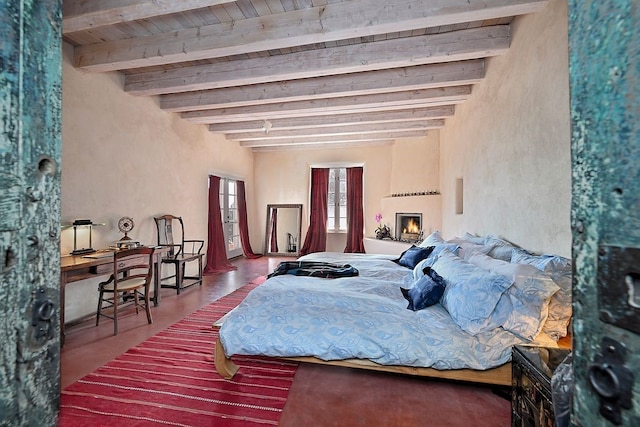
(274, 231)
(242, 220)
(316, 238)
(355, 215)
(217, 261)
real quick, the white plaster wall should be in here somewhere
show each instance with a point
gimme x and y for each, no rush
(510, 142)
(284, 177)
(407, 165)
(415, 168)
(122, 155)
(415, 164)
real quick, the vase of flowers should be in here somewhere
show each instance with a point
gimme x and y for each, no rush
(383, 231)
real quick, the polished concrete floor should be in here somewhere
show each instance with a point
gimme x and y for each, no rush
(320, 395)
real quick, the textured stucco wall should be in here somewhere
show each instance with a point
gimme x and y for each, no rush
(284, 177)
(122, 155)
(510, 142)
(407, 165)
(415, 164)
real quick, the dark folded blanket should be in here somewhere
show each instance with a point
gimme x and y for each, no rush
(314, 269)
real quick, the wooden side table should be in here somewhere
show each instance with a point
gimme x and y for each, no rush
(532, 368)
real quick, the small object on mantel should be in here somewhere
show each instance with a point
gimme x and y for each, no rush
(383, 232)
(417, 193)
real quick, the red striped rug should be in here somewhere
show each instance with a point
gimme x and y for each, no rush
(170, 379)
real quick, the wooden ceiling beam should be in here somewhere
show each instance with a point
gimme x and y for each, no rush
(321, 146)
(326, 121)
(332, 22)
(382, 81)
(333, 139)
(240, 114)
(387, 101)
(80, 15)
(403, 52)
(359, 129)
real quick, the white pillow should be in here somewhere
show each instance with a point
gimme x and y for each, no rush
(528, 297)
(560, 270)
(432, 239)
(474, 239)
(501, 248)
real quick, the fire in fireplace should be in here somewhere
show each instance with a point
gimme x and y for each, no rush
(408, 226)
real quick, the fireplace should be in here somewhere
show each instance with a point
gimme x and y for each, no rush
(408, 226)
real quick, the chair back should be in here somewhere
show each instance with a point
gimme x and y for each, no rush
(291, 243)
(134, 263)
(166, 224)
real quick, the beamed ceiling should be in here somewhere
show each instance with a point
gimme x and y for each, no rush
(276, 74)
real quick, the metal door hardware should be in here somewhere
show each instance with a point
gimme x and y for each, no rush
(619, 286)
(611, 380)
(42, 317)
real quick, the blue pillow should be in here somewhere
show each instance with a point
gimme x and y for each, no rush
(433, 256)
(471, 292)
(412, 256)
(425, 292)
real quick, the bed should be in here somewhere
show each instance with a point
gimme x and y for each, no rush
(487, 305)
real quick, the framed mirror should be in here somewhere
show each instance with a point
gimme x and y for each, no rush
(282, 234)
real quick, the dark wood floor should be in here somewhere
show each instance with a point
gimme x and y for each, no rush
(320, 395)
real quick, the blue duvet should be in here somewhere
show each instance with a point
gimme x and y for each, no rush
(363, 317)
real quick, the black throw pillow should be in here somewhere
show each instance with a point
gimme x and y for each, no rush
(412, 256)
(425, 292)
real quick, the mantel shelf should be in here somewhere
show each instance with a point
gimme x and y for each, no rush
(401, 196)
(385, 246)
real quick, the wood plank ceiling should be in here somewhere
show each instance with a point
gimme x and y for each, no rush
(282, 74)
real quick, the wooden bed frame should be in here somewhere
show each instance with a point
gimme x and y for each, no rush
(496, 376)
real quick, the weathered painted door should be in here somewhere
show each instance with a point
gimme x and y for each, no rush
(604, 51)
(30, 101)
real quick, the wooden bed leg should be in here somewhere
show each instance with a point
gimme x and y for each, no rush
(225, 367)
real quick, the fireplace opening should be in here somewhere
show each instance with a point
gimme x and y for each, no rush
(408, 226)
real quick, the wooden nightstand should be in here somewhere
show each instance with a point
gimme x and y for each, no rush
(532, 368)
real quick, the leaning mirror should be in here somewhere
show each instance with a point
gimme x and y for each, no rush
(282, 235)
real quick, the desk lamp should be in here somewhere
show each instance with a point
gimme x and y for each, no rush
(81, 238)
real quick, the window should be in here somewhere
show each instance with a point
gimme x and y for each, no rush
(337, 201)
(229, 213)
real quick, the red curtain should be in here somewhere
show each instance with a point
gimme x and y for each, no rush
(274, 231)
(316, 238)
(355, 215)
(242, 221)
(217, 261)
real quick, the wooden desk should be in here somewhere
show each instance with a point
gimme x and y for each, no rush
(74, 268)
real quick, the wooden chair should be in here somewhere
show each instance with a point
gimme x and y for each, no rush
(292, 244)
(128, 285)
(181, 252)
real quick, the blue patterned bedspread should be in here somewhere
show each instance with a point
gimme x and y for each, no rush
(363, 317)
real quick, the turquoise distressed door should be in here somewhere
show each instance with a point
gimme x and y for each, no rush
(604, 67)
(30, 99)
